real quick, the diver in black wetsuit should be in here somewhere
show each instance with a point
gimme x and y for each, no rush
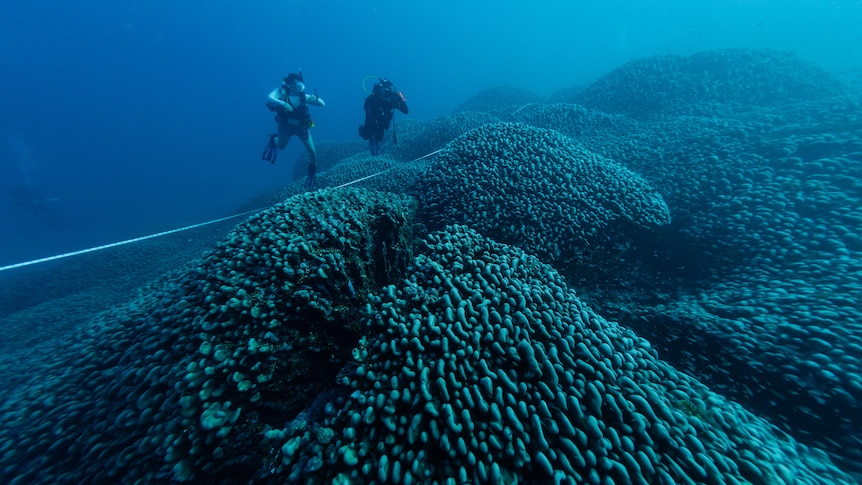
(380, 107)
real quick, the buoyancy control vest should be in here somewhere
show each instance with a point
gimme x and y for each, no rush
(299, 116)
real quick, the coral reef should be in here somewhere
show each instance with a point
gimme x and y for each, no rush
(539, 190)
(181, 383)
(671, 84)
(496, 98)
(484, 367)
(657, 285)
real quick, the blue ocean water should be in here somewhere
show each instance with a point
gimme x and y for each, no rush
(126, 118)
(637, 257)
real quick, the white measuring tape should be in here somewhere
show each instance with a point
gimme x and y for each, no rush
(120, 243)
(388, 169)
(172, 231)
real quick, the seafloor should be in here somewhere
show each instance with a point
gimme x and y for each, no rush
(652, 279)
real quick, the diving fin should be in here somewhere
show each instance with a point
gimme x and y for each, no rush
(270, 151)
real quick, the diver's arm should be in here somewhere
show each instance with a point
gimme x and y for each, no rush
(401, 103)
(273, 103)
(315, 100)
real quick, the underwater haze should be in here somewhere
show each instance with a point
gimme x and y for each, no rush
(127, 118)
(611, 242)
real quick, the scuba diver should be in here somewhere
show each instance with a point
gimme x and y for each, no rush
(379, 109)
(290, 104)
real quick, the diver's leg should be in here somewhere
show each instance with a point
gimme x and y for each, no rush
(378, 139)
(284, 134)
(311, 180)
(309, 146)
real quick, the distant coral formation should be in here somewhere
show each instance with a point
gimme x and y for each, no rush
(670, 84)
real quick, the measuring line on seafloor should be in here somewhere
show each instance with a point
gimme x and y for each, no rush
(181, 229)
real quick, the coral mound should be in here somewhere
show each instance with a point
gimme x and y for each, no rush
(535, 188)
(670, 84)
(485, 368)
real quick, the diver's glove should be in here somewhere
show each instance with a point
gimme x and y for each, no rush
(312, 176)
(287, 106)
